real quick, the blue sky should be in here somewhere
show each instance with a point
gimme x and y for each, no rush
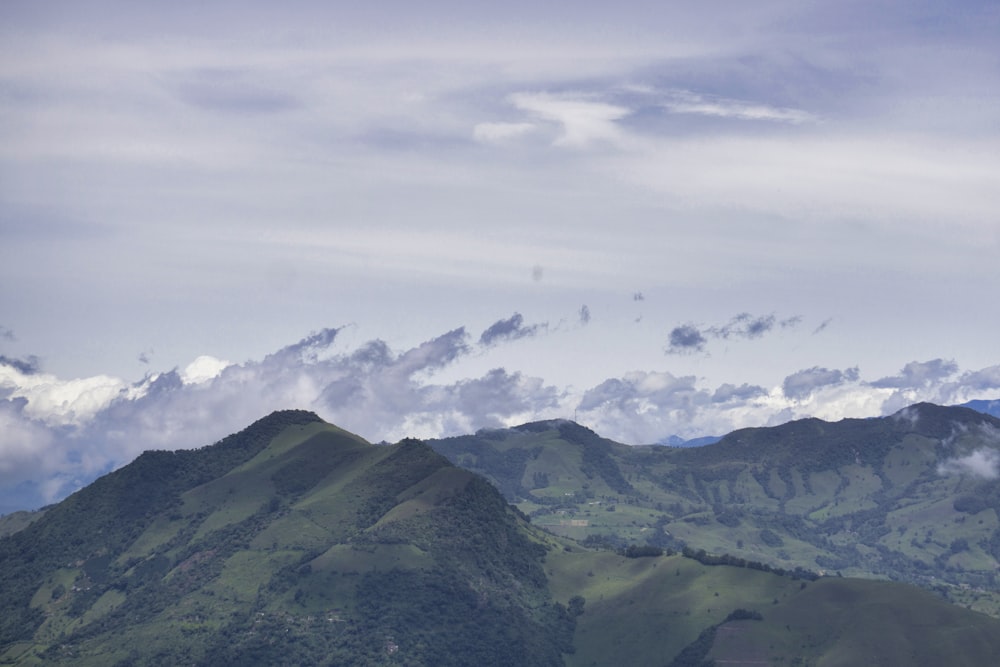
(656, 218)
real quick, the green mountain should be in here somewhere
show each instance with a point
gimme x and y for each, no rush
(294, 542)
(913, 497)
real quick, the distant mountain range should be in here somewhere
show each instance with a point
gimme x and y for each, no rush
(986, 407)
(677, 441)
(294, 542)
(912, 497)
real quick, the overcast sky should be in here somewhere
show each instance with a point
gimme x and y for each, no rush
(428, 218)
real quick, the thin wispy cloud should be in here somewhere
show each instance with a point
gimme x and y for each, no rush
(744, 325)
(690, 102)
(691, 338)
(823, 325)
(513, 328)
(501, 132)
(583, 121)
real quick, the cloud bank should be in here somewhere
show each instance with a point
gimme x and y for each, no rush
(57, 434)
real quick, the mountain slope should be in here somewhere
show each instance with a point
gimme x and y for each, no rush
(295, 542)
(292, 542)
(913, 497)
(675, 611)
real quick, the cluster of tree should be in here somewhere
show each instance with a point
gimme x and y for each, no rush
(706, 558)
(411, 617)
(597, 456)
(643, 551)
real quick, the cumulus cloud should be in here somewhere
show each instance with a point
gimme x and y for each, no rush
(686, 339)
(203, 369)
(27, 366)
(918, 374)
(58, 434)
(730, 392)
(491, 400)
(511, 328)
(644, 407)
(981, 380)
(937, 381)
(982, 463)
(804, 383)
(58, 402)
(660, 389)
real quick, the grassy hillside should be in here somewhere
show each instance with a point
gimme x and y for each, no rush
(910, 497)
(677, 611)
(297, 543)
(15, 521)
(292, 542)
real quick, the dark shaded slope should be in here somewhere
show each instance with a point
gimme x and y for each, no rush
(105, 516)
(849, 622)
(292, 543)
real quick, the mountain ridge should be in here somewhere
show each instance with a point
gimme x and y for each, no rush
(296, 542)
(913, 496)
(288, 520)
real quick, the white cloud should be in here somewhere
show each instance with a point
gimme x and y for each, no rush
(57, 434)
(686, 101)
(982, 463)
(919, 374)
(584, 121)
(203, 369)
(803, 384)
(331, 169)
(60, 402)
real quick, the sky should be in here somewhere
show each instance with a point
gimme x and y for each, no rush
(424, 219)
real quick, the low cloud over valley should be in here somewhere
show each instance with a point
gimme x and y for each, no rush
(57, 434)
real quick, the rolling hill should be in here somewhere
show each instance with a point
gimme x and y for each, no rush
(294, 542)
(911, 497)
